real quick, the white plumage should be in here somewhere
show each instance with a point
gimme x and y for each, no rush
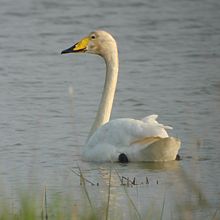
(128, 136)
(138, 140)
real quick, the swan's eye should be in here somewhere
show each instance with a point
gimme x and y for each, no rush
(93, 37)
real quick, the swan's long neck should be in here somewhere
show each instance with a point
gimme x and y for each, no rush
(105, 106)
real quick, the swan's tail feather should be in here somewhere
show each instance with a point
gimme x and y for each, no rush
(152, 119)
(149, 118)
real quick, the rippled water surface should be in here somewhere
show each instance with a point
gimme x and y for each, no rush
(169, 65)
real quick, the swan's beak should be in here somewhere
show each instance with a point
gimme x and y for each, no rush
(81, 46)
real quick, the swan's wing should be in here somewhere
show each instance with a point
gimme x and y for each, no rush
(139, 140)
(146, 130)
(124, 132)
(145, 141)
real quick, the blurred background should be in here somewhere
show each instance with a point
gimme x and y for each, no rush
(169, 55)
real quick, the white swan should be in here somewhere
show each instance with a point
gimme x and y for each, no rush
(122, 139)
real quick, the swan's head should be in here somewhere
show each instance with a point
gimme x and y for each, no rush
(97, 42)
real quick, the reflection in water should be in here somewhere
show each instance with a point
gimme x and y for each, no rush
(160, 166)
(129, 183)
(131, 171)
(140, 171)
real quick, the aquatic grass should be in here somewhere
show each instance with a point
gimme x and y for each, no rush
(83, 183)
(215, 215)
(56, 207)
(5, 211)
(138, 215)
(109, 194)
(29, 210)
(162, 211)
(44, 213)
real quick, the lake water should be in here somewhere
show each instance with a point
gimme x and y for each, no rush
(169, 65)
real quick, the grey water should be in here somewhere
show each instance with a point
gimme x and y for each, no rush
(169, 65)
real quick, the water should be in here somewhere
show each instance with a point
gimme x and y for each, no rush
(169, 65)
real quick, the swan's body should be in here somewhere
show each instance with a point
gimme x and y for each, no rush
(137, 140)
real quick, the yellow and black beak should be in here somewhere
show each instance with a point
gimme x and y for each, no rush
(81, 46)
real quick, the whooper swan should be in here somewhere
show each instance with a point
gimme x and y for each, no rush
(121, 139)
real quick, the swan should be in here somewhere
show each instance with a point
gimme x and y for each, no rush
(123, 139)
